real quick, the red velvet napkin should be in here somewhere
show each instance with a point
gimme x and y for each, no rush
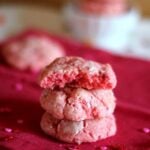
(20, 111)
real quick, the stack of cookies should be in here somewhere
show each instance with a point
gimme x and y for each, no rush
(78, 100)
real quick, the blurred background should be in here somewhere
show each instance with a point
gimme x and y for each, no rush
(124, 31)
(58, 4)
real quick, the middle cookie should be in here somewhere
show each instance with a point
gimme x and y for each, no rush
(78, 104)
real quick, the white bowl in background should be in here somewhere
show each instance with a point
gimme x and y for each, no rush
(111, 33)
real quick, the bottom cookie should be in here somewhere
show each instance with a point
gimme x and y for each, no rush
(79, 132)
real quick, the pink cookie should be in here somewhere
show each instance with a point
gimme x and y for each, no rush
(32, 52)
(78, 104)
(79, 132)
(77, 72)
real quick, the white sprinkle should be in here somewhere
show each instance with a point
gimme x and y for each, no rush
(8, 130)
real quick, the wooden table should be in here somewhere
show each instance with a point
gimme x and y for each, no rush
(144, 5)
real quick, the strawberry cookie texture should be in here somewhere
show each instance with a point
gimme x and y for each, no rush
(81, 131)
(78, 104)
(77, 72)
(78, 99)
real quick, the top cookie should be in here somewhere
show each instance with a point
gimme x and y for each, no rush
(77, 72)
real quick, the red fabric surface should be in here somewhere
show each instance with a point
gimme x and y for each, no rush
(132, 112)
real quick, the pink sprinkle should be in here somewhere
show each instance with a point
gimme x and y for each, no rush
(19, 86)
(104, 148)
(8, 130)
(20, 121)
(146, 130)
